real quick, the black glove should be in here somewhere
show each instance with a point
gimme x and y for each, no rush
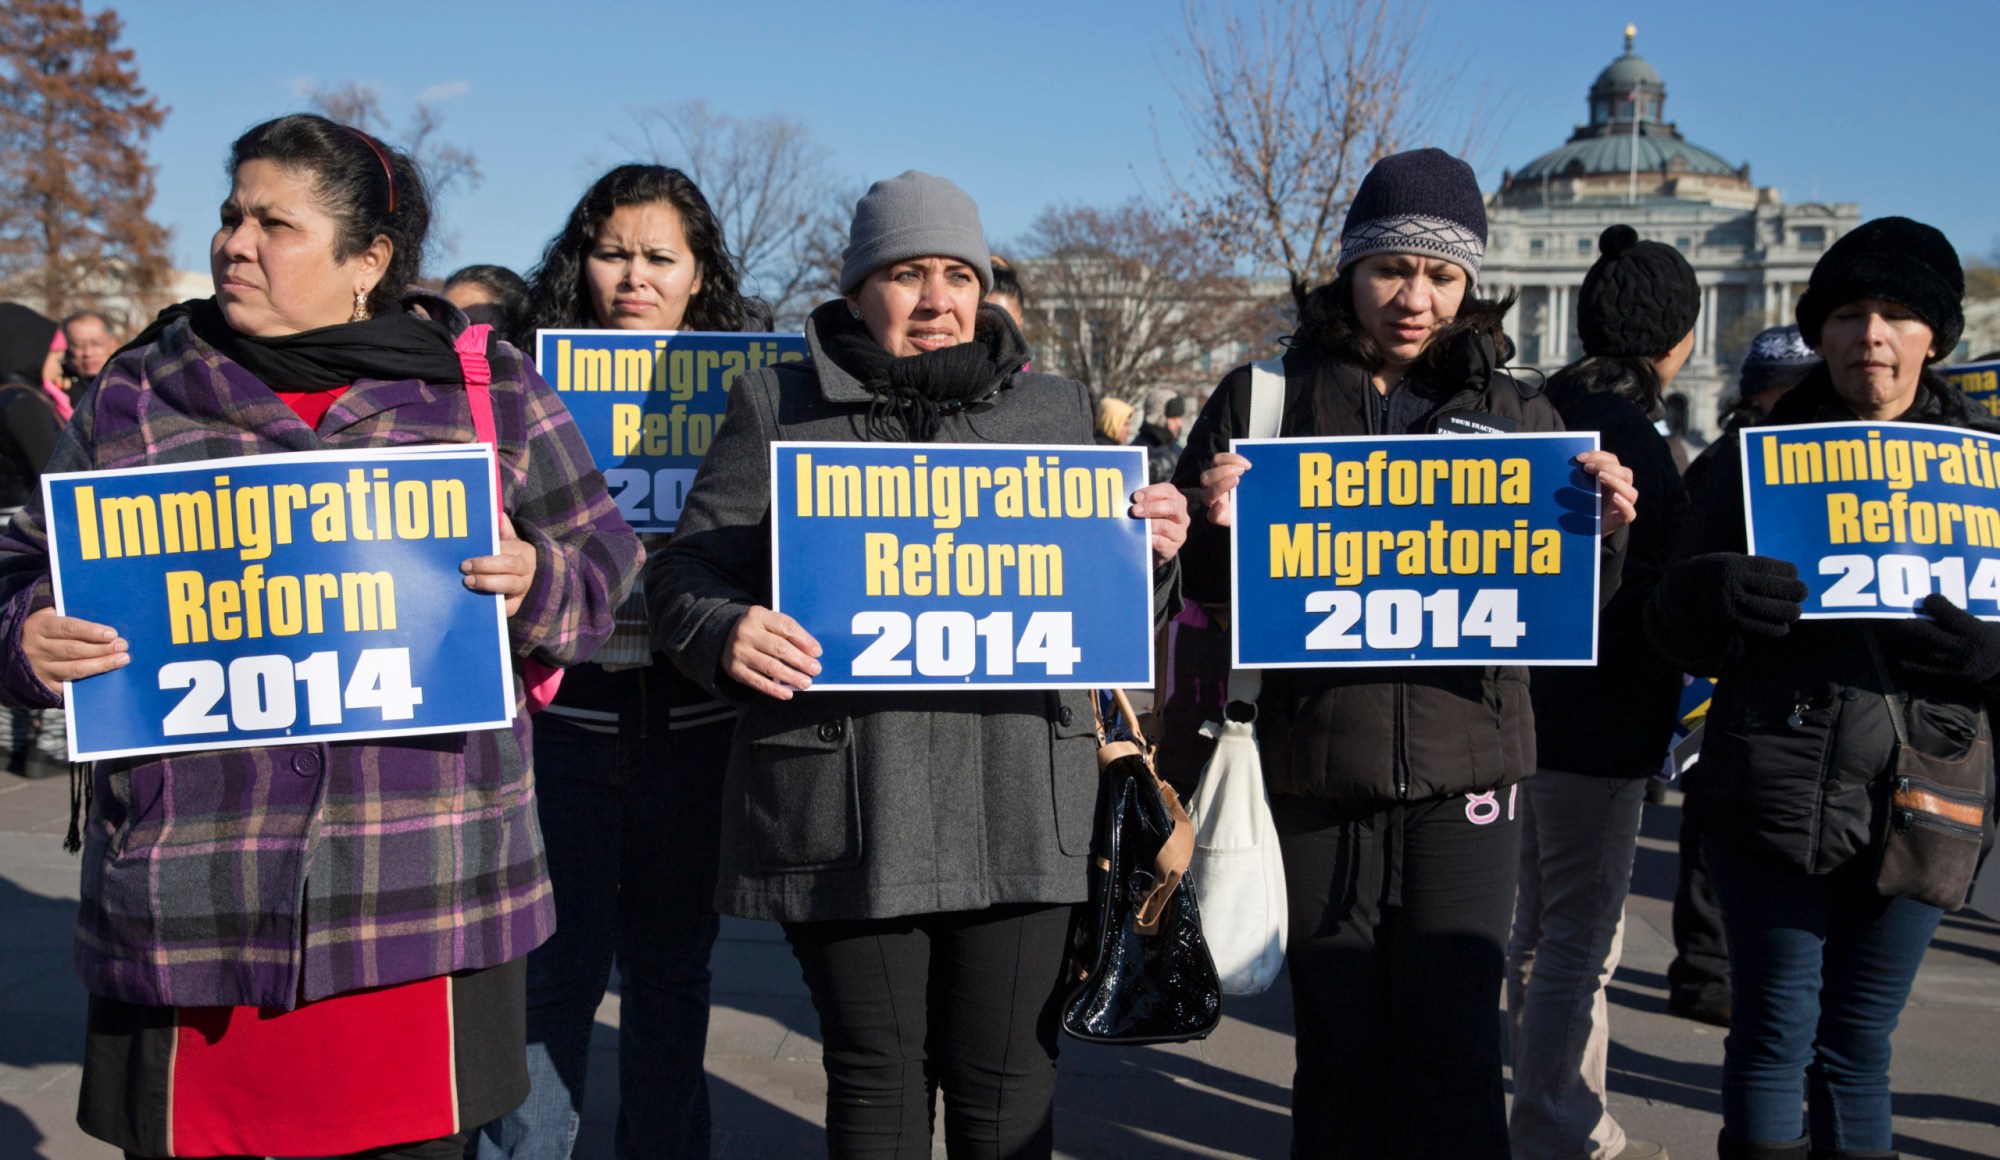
(1953, 645)
(1756, 595)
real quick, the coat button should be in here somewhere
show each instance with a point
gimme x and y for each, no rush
(831, 731)
(305, 764)
(1067, 715)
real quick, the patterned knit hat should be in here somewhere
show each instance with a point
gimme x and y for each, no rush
(1776, 355)
(1424, 202)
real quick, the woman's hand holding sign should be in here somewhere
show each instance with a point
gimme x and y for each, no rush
(511, 573)
(1619, 502)
(68, 648)
(771, 653)
(1216, 484)
(1166, 509)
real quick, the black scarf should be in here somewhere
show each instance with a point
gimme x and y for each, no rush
(913, 393)
(394, 346)
(1815, 400)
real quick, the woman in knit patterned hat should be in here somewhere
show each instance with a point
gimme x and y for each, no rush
(1393, 788)
(1601, 732)
(1800, 740)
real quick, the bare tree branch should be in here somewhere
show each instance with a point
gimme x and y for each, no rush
(446, 167)
(1126, 299)
(1287, 111)
(783, 211)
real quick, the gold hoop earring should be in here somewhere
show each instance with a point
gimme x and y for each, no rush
(361, 313)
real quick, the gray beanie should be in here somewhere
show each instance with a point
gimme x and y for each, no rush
(914, 215)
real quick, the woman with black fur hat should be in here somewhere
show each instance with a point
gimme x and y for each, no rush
(1602, 732)
(1393, 790)
(1800, 740)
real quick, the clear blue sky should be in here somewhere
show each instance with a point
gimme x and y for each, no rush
(1034, 102)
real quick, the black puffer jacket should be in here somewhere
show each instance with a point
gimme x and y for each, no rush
(1616, 718)
(1380, 735)
(1799, 739)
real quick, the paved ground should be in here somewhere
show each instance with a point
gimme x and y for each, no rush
(1225, 1097)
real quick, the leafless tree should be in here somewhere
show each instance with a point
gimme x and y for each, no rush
(783, 210)
(1287, 109)
(446, 167)
(1126, 299)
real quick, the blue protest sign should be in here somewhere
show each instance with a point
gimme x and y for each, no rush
(1980, 383)
(941, 565)
(282, 598)
(1431, 550)
(1877, 516)
(647, 403)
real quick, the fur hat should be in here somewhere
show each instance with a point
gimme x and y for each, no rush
(1897, 260)
(1638, 300)
(914, 215)
(1424, 202)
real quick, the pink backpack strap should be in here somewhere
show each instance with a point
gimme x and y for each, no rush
(471, 348)
(539, 680)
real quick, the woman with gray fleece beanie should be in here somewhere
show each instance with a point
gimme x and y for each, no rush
(923, 850)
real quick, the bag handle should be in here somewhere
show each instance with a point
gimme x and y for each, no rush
(1171, 863)
(1896, 708)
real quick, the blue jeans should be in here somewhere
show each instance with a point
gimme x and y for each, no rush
(1821, 966)
(631, 821)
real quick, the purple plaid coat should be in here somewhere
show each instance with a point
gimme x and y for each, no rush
(266, 876)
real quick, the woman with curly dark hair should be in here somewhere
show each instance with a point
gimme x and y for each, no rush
(629, 758)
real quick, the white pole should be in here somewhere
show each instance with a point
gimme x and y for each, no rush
(1632, 186)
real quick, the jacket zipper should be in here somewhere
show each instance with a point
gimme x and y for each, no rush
(1402, 757)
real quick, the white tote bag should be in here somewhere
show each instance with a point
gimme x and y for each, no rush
(1237, 864)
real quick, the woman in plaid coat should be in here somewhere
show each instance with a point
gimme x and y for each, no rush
(317, 948)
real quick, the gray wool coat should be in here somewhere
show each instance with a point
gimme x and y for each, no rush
(854, 805)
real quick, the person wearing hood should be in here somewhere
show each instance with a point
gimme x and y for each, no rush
(1601, 732)
(33, 408)
(1393, 789)
(315, 949)
(923, 850)
(33, 404)
(1113, 423)
(1800, 739)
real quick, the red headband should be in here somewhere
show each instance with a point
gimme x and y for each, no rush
(388, 170)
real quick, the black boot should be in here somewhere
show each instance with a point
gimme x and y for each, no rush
(1728, 1149)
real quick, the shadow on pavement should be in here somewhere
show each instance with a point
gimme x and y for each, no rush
(779, 1133)
(18, 1136)
(1925, 1150)
(41, 1004)
(1669, 1081)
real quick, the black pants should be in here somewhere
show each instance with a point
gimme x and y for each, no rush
(1700, 970)
(1399, 921)
(964, 1001)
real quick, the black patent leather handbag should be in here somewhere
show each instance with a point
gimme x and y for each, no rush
(1143, 973)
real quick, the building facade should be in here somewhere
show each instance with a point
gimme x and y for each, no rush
(1751, 252)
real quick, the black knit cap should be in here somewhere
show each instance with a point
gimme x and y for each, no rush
(1894, 259)
(1638, 300)
(1424, 202)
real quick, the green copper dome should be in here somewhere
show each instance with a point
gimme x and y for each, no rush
(1594, 155)
(1626, 71)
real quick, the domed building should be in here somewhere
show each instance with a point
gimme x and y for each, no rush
(1627, 163)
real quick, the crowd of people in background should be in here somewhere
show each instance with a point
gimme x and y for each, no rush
(1456, 840)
